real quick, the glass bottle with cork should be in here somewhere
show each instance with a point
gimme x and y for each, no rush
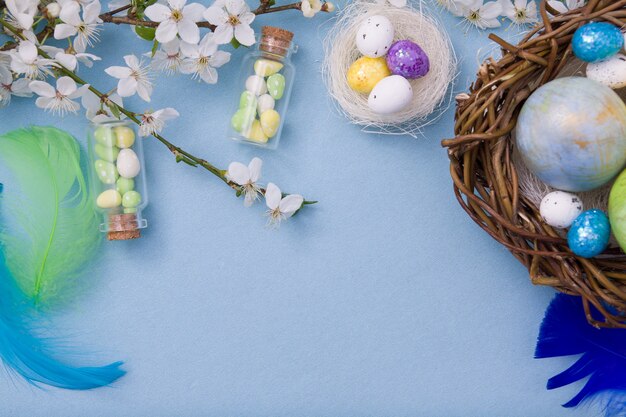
(267, 75)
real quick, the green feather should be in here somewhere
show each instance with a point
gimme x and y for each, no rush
(50, 228)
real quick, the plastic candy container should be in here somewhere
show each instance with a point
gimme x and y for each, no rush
(266, 78)
(117, 175)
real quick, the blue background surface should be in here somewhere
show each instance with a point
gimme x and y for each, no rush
(385, 299)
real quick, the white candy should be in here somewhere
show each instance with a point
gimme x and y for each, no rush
(265, 102)
(375, 36)
(390, 95)
(256, 85)
(559, 209)
(611, 72)
(128, 164)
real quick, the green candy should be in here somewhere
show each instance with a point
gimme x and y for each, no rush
(276, 86)
(105, 136)
(106, 171)
(107, 153)
(247, 99)
(617, 209)
(131, 199)
(124, 185)
(243, 118)
(130, 210)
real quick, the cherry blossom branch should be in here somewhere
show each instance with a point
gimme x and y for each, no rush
(264, 8)
(180, 154)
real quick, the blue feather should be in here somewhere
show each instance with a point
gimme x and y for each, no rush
(564, 332)
(33, 357)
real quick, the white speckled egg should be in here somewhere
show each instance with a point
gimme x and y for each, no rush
(265, 102)
(127, 163)
(611, 72)
(256, 85)
(559, 209)
(375, 36)
(390, 95)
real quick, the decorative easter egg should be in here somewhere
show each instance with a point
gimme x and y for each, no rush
(596, 41)
(589, 234)
(247, 99)
(276, 86)
(131, 199)
(559, 209)
(390, 95)
(128, 164)
(375, 36)
(109, 199)
(610, 72)
(571, 133)
(108, 153)
(104, 136)
(124, 136)
(265, 102)
(406, 58)
(124, 185)
(255, 133)
(366, 72)
(256, 85)
(270, 121)
(617, 209)
(242, 119)
(106, 171)
(267, 67)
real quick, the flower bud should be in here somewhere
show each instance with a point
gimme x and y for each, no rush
(53, 10)
(330, 7)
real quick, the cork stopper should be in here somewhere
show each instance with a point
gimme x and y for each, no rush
(275, 40)
(123, 227)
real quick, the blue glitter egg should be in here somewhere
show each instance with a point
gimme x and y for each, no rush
(596, 41)
(589, 234)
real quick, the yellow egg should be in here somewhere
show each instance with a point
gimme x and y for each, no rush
(125, 136)
(255, 133)
(270, 120)
(366, 72)
(266, 67)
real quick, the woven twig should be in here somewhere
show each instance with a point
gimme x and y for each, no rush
(484, 175)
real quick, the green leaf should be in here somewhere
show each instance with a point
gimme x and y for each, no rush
(155, 45)
(235, 43)
(115, 110)
(145, 32)
(272, 2)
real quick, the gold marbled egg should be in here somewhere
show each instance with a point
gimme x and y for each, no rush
(366, 72)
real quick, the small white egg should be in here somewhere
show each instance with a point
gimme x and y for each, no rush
(559, 209)
(128, 164)
(375, 36)
(390, 95)
(256, 85)
(265, 102)
(610, 72)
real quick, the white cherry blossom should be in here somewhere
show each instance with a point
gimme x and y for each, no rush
(22, 12)
(134, 78)
(246, 177)
(178, 18)
(232, 18)
(168, 58)
(70, 60)
(203, 59)
(58, 100)
(97, 109)
(154, 122)
(480, 14)
(311, 7)
(566, 5)
(25, 60)
(280, 208)
(86, 29)
(520, 12)
(10, 87)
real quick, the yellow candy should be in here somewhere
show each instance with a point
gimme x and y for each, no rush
(125, 136)
(109, 199)
(366, 72)
(270, 120)
(255, 133)
(266, 67)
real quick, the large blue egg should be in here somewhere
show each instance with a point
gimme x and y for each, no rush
(589, 234)
(596, 41)
(571, 133)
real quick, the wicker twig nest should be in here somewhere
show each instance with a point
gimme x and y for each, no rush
(486, 181)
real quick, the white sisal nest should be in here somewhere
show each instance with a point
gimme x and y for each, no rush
(431, 94)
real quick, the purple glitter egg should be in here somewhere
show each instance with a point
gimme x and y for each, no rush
(407, 59)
